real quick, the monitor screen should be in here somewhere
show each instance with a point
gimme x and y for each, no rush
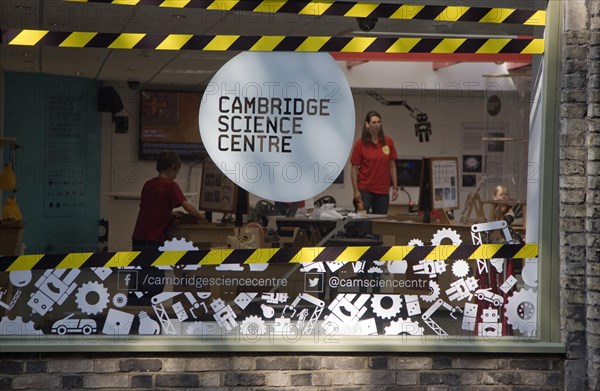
(409, 172)
(169, 121)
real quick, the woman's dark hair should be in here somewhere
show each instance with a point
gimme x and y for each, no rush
(167, 159)
(366, 135)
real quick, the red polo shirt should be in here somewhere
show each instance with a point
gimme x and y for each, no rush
(159, 196)
(374, 171)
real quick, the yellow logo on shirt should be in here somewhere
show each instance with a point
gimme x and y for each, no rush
(385, 149)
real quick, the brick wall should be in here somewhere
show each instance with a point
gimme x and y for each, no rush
(580, 194)
(593, 202)
(281, 372)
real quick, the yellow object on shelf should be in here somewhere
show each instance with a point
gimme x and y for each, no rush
(8, 179)
(11, 210)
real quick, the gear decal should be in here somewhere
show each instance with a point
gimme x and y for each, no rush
(434, 292)
(404, 327)
(92, 298)
(177, 244)
(446, 233)
(18, 327)
(119, 300)
(253, 325)
(521, 311)
(390, 309)
(460, 268)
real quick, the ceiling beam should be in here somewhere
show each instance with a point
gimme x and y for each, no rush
(433, 57)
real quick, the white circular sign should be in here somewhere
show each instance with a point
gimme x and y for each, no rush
(280, 125)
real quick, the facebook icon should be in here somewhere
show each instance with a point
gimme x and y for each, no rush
(127, 280)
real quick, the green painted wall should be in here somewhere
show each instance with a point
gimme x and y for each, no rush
(57, 126)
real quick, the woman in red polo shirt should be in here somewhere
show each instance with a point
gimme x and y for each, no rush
(373, 162)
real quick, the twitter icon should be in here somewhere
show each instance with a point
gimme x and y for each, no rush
(313, 282)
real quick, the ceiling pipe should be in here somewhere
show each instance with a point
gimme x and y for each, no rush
(351, 64)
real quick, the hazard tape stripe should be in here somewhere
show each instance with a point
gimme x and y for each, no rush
(274, 43)
(289, 255)
(356, 10)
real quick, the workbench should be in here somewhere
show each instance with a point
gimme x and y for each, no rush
(202, 235)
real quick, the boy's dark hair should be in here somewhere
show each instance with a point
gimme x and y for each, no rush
(167, 159)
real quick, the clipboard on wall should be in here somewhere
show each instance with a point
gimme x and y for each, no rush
(218, 193)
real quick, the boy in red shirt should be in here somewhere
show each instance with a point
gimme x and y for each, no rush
(160, 195)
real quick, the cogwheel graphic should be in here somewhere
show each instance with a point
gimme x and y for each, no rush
(416, 242)
(434, 290)
(391, 310)
(18, 327)
(460, 268)
(521, 311)
(119, 300)
(446, 233)
(253, 325)
(375, 269)
(92, 298)
(404, 327)
(177, 245)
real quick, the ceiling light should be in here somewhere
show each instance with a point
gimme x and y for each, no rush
(366, 24)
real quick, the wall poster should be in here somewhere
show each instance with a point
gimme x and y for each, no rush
(444, 182)
(218, 192)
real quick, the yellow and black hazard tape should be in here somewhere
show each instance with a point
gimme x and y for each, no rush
(274, 43)
(354, 9)
(267, 255)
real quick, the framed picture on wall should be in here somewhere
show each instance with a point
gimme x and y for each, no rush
(472, 163)
(469, 180)
(218, 193)
(444, 182)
